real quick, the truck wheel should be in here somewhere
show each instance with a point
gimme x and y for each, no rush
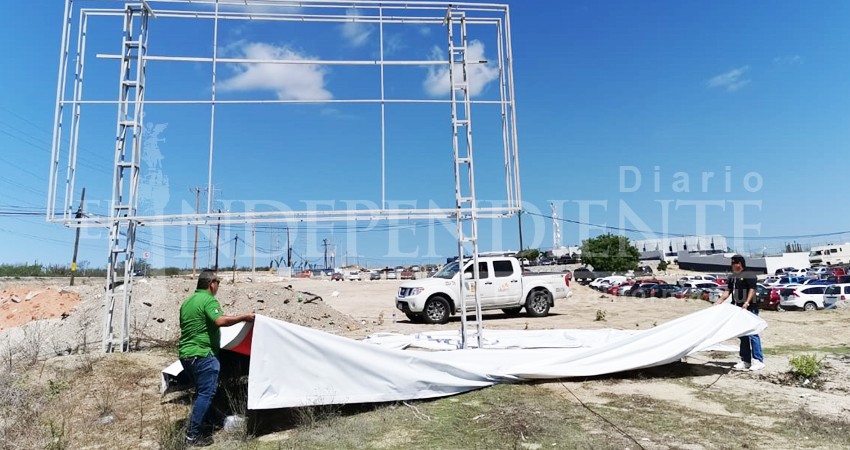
(537, 304)
(810, 306)
(512, 311)
(436, 311)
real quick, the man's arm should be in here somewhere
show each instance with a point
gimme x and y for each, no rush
(722, 298)
(226, 321)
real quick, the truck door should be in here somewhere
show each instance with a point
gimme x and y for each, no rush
(486, 288)
(507, 283)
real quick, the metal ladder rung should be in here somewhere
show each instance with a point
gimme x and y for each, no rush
(131, 44)
(119, 250)
(127, 164)
(129, 123)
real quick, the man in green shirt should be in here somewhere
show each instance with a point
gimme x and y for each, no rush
(200, 340)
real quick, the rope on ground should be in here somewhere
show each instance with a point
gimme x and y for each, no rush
(417, 413)
(619, 430)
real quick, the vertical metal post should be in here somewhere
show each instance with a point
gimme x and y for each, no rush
(465, 202)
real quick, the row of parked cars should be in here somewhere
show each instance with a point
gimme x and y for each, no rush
(621, 285)
(808, 289)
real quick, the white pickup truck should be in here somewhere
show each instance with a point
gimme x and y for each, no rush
(502, 285)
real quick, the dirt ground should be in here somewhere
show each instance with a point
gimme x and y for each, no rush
(357, 309)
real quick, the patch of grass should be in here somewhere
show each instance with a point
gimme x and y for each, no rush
(658, 421)
(816, 431)
(734, 404)
(499, 417)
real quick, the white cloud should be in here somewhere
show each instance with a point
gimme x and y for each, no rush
(788, 60)
(393, 43)
(437, 82)
(356, 33)
(731, 81)
(288, 81)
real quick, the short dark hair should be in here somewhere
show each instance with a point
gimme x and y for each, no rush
(206, 278)
(739, 259)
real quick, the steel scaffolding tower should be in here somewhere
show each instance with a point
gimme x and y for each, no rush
(128, 149)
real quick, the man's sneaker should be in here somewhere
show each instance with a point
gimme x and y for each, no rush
(201, 441)
(756, 365)
(742, 366)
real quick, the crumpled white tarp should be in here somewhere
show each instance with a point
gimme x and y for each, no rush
(297, 366)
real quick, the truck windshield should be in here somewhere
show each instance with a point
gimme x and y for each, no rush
(448, 271)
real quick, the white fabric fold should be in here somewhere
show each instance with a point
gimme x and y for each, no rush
(297, 366)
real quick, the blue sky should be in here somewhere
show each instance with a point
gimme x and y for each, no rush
(739, 111)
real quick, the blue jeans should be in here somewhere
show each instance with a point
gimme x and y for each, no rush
(204, 373)
(751, 345)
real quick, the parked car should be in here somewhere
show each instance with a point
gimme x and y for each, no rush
(695, 279)
(837, 279)
(808, 298)
(374, 275)
(764, 299)
(835, 293)
(663, 290)
(583, 274)
(353, 275)
(784, 270)
(702, 285)
(391, 275)
(407, 275)
(336, 276)
(642, 290)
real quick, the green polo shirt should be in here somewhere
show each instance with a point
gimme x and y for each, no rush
(199, 336)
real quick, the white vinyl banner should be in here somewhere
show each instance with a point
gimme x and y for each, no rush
(296, 366)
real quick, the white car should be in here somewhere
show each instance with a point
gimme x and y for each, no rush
(391, 275)
(808, 298)
(695, 279)
(353, 275)
(799, 272)
(835, 293)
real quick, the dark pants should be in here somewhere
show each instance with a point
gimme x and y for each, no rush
(204, 374)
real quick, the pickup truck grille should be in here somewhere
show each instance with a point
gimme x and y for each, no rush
(404, 292)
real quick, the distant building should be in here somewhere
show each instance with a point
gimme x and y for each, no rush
(668, 249)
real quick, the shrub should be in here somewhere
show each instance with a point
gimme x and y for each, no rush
(805, 366)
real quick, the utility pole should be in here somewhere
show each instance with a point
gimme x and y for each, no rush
(197, 211)
(235, 243)
(77, 239)
(519, 216)
(325, 241)
(288, 249)
(217, 240)
(253, 250)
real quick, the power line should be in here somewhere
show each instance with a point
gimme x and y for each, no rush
(633, 230)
